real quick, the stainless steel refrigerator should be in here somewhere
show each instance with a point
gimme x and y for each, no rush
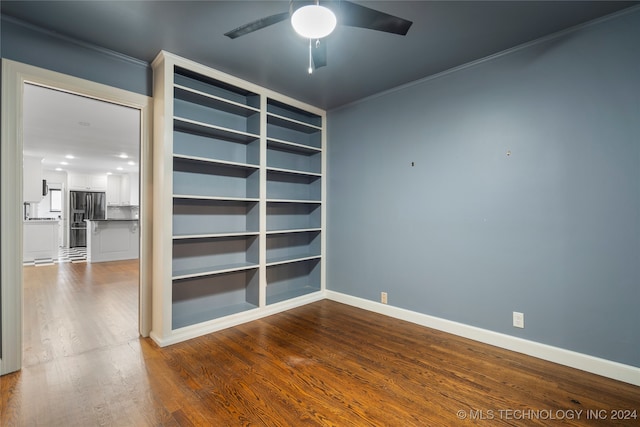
(84, 205)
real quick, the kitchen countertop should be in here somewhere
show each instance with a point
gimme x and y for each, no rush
(41, 220)
(115, 219)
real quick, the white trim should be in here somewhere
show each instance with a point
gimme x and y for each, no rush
(200, 329)
(14, 76)
(10, 202)
(607, 368)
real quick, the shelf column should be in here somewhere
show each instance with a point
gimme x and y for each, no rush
(263, 202)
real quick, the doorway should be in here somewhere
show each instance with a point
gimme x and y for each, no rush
(80, 295)
(14, 77)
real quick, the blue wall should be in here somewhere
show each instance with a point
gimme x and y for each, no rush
(30, 45)
(471, 234)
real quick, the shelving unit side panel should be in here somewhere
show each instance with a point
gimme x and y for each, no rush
(262, 254)
(323, 209)
(162, 188)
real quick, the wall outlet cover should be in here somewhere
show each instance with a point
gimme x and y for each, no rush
(518, 319)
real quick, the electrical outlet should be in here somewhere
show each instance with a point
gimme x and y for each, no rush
(518, 319)
(383, 297)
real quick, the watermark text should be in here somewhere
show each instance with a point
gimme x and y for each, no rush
(547, 414)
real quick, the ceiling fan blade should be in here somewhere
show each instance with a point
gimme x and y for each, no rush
(257, 25)
(319, 53)
(354, 15)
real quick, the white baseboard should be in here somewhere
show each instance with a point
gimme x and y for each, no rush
(200, 329)
(595, 365)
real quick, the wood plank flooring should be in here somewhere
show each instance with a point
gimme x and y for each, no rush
(324, 364)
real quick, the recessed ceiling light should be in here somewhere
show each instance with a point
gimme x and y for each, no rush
(69, 156)
(64, 163)
(58, 169)
(109, 173)
(119, 168)
(123, 156)
(130, 163)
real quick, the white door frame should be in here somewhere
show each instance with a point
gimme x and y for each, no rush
(14, 76)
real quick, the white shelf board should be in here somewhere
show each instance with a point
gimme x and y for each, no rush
(216, 161)
(294, 172)
(287, 122)
(210, 271)
(294, 230)
(291, 294)
(315, 202)
(213, 130)
(221, 198)
(291, 259)
(216, 235)
(294, 146)
(214, 101)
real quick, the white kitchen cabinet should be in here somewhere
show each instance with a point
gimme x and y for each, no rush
(122, 190)
(98, 182)
(77, 181)
(40, 240)
(87, 182)
(125, 190)
(32, 179)
(114, 183)
(134, 189)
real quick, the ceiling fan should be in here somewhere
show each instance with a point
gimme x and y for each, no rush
(315, 21)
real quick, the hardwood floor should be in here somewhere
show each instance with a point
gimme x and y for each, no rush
(323, 364)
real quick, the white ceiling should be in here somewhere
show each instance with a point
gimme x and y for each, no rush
(58, 124)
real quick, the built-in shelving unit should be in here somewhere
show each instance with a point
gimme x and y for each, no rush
(239, 213)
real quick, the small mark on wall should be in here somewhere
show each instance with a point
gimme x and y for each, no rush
(508, 153)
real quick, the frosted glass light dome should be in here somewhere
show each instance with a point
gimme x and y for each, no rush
(313, 21)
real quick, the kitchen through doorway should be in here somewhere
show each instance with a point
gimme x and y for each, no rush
(14, 77)
(81, 223)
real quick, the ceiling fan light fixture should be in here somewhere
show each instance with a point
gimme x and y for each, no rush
(313, 21)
